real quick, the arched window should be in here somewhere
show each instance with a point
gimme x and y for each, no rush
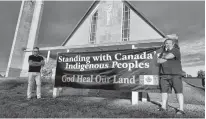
(93, 29)
(126, 23)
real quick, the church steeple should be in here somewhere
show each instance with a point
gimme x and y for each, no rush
(25, 36)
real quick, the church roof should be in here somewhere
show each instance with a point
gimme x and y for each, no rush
(96, 2)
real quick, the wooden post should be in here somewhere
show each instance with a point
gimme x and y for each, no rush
(48, 56)
(135, 97)
(55, 90)
(135, 94)
(144, 96)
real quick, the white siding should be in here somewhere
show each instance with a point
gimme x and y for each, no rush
(140, 30)
(81, 36)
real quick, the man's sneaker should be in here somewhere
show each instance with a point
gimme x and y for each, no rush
(38, 97)
(179, 112)
(28, 98)
(161, 109)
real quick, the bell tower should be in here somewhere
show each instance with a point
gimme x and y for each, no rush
(25, 37)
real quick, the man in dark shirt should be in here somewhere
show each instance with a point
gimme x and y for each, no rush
(35, 63)
(171, 73)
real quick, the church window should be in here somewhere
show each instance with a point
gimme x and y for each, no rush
(126, 23)
(93, 29)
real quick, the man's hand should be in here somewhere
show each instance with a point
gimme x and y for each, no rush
(160, 60)
(42, 63)
(169, 56)
(39, 63)
(32, 63)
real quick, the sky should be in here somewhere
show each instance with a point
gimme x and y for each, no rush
(184, 18)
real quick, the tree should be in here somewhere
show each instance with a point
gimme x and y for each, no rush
(201, 74)
(184, 74)
(189, 75)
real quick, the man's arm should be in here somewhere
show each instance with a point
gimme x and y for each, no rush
(32, 63)
(160, 60)
(169, 56)
(37, 63)
(42, 62)
(175, 53)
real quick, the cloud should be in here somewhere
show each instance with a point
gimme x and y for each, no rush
(192, 64)
(193, 57)
(193, 52)
(193, 45)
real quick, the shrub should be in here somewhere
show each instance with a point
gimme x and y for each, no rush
(46, 72)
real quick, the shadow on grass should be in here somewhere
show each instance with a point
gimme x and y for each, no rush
(10, 84)
(105, 104)
(159, 105)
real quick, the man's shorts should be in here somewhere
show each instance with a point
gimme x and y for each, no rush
(168, 82)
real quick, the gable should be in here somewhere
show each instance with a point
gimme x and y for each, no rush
(108, 27)
(81, 28)
(141, 30)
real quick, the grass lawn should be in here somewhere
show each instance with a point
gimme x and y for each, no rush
(13, 104)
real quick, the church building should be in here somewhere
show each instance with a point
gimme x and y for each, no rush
(106, 25)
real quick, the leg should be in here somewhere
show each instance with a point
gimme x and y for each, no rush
(178, 88)
(164, 100)
(38, 84)
(180, 98)
(165, 89)
(30, 84)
